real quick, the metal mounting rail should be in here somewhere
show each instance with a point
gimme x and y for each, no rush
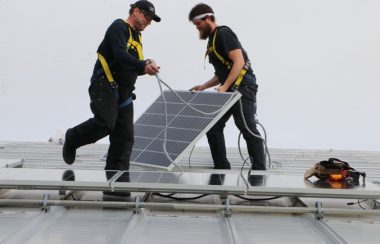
(174, 182)
(185, 206)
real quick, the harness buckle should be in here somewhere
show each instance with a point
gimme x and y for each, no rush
(234, 87)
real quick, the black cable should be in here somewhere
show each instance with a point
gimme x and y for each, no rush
(170, 196)
(71, 194)
(361, 201)
(255, 199)
(374, 203)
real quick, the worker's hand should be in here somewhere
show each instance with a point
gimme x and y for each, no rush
(221, 88)
(151, 68)
(197, 88)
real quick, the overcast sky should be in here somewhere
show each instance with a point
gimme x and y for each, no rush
(317, 64)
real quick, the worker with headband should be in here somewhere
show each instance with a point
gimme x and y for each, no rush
(233, 72)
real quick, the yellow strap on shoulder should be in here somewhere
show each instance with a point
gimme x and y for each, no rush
(131, 43)
(228, 64)
(213, 49)
(135, 44)
(106, 68)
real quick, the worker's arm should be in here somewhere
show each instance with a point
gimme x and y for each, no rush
(237, 59)
(117, 36)
(214, 81)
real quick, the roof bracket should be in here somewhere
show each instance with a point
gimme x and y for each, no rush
(319, 212)
(137, 208)
(62, 190)
(45, 206)
(227, 210)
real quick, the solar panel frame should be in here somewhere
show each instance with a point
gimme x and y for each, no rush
(185, 127)
(177, 182)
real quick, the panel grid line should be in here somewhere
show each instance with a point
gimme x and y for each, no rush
(166, 126)
(184, 125)
(159, 126)
(169, 140)
(154, 151)
(194, 104)
(186, 116)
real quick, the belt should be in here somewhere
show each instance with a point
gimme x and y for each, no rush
(126, 102)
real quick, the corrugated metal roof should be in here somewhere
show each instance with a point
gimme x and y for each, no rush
(282, 220)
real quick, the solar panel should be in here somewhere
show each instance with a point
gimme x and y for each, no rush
(185, 125)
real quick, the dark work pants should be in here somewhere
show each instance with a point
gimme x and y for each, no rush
(108, 120)
(255, 145)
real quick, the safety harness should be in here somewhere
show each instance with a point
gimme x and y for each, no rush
(228, 64)
(334, 169)
(131, 45)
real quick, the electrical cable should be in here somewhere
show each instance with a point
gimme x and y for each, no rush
(166, 127)
(361, 201)
(159, 80)
(256, 199)
(170, 196)
(262, 127)
(188, 104)
(241, 172)
(253, 134)
(191, 152)
(265, 141)
(240, 152)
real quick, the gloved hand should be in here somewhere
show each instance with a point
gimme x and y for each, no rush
(150, 67)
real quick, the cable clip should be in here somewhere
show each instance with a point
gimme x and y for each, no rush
(234, 87)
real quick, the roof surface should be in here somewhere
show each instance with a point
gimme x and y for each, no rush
(86, 216)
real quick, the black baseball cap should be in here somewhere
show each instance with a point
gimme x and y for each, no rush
(148, 8)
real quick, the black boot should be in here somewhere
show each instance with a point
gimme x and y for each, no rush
(68, 150)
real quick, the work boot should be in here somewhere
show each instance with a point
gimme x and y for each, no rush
(68, 151)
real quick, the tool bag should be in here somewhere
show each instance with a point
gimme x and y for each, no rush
(334, 169)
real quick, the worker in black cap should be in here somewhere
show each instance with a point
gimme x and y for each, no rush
(233, 72)
(120, 61)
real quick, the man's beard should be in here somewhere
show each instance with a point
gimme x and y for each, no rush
(139, 26)
(203, 35)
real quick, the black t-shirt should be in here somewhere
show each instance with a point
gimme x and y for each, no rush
(225, 41)
(123, 63)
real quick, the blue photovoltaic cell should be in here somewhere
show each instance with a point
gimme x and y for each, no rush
(184, 125)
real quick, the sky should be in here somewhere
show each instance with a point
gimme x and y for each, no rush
(316, 62)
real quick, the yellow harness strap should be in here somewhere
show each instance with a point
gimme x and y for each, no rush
(240, 77)
(135, 44)
(106, 68)
(131, 44)
(227, 63)
(213, 49)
